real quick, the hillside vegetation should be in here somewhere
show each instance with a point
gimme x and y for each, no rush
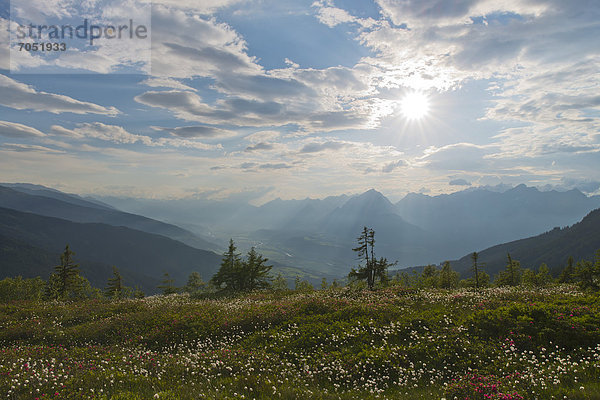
(581, 241)
(500, 343)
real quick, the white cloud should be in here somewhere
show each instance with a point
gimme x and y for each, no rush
(4, 44)
(456, 157)
(332, 16)
(15, 130)
(166, 83)
(117, 134)
(199, 47)
(20, 96)
(27, 148)
(263, 136)
(317, 147)
(198, 131)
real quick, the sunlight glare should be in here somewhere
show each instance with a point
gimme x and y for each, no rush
(415, 105)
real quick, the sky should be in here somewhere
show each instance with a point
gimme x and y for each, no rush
(262, 99)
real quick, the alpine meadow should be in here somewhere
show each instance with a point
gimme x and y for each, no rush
(293, 199)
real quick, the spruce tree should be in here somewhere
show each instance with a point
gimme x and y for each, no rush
(511, 276)
(279, 283)
(65, 281)
(568, 273)
(229, 274)
(167, 285)
(194, 283)
(255, 272)
(476, 269)
(448, 277)
(115, 288)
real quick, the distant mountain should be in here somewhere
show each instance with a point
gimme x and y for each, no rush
(51, 203)
(419, 229)
(18, 258)
(322, 235)
(478, 218)
(395, 238)
(581, 241)
(38, 190)
(299, 215)
(141, 253)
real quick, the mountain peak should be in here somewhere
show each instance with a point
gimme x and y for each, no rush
(523, 188)
(371, 193)
(371, 199)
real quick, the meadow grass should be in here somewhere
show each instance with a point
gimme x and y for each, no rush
(499, 343)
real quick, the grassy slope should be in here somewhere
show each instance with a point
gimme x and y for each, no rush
(344, 344)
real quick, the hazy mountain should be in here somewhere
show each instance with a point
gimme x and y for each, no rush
(580, 240)
(208, 218)
(478, 218)
(419, 229)
(143, 253)
(322, 240)
(18, 258)
(299, 215)
(38, 190)
(76, 209)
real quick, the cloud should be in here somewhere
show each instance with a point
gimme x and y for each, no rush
(198, 131)
(166, 83)
(585, 185)
(16, 130)
(263, 136)
(198, 46)
(260, 146)
(459, 182)
(274, 166)
(62, 131)
(28, 148)
(20, 96)
(332, 16)
(203, 7)
(105, 56)
(314, 99)
(111, 133)
(387, 168)
(316, 147)
(457, 157)
(420, 13)
(4, 44)
(118, 134)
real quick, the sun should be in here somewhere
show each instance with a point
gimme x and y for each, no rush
(415, 105)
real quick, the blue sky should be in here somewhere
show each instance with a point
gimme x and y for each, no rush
(290, 99)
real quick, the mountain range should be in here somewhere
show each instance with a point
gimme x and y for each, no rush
(310, 237)
(581, 241)
(417, 230)
(36, 223)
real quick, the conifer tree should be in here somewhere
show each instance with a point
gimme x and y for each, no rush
(194, 283)
(229, 273)
(167, 285)
(65, 281)
(279, 283)
(568, 273)
(373, 269)
(511, 276)
(115, 288)
(448, 278)
(476, 269)
(255, 271)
